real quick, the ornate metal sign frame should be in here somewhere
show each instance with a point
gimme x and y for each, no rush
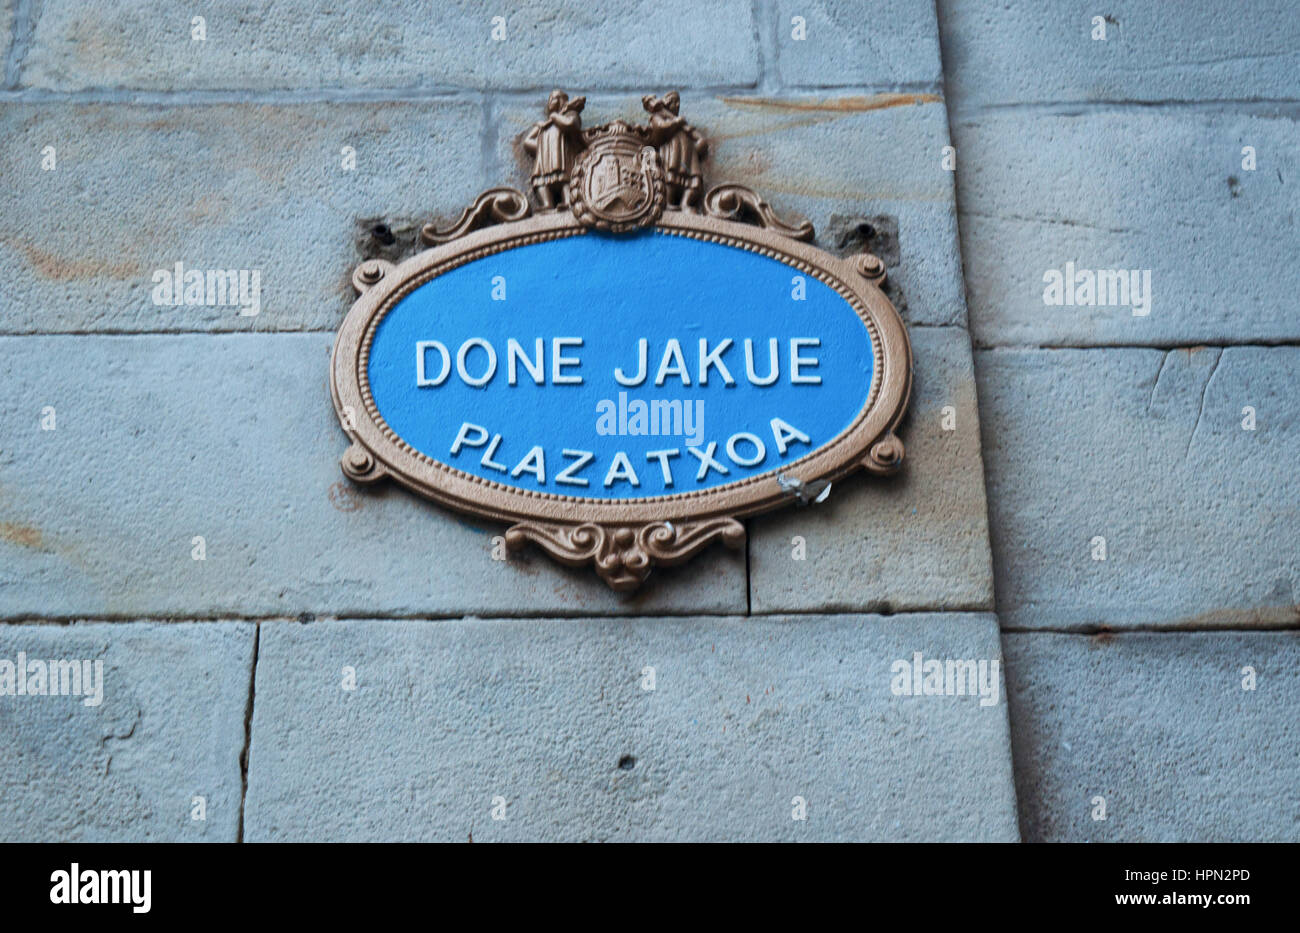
(623, 538)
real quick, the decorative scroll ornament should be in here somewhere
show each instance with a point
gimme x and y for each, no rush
(736, 202)
(494, 206)
(623, 190)
(623, 555)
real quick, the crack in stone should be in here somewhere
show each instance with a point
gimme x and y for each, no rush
(1159, 372)
(1201, 410)
(248, 734)
(985, 347)
(1289, 53)
(1267, 106)
(1020, 218)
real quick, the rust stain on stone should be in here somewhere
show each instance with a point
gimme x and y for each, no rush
(801, 113)
(1258, 617)
(753, 164)
(60, 269)
(859, 104)
(23, 535)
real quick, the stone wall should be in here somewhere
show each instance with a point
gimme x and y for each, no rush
(1161, 679)
(353, 664)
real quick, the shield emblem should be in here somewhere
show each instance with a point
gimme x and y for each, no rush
(617, 184)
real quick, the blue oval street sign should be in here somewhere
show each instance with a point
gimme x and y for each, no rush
(621, 367)
(626, 373)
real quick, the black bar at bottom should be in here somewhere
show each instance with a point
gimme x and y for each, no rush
(335, 883)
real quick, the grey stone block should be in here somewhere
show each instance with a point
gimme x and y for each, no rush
(7, 37)
(1027, 52)
(170, 728)
(389, 44)
(1160, 190)
(137, 189)
(894, 43)
(551, 716)
(827, 159)
(161, 439)
(918, 540)
(1158, 725)
(1146, 449)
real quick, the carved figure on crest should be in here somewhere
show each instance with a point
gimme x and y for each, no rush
(554, 142)
(681, 149)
